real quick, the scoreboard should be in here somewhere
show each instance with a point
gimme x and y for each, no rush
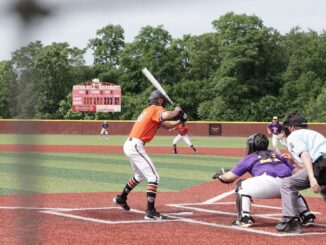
(96, 96)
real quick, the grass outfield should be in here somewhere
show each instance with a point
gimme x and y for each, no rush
(198, 141)
(231, 142)
(58, 173)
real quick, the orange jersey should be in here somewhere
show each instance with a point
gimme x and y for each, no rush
(147, 123)
(182, 130)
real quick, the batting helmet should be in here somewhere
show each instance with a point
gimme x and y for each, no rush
(257, 142)
(157, 98)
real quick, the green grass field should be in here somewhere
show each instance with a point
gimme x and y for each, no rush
(63, 172)
(57, 173)
(230, 142)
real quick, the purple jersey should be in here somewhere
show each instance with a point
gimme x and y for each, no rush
(105, 125)
(275, 128)
(265, 162)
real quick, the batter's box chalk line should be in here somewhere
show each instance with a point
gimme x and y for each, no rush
(63, 213)
(200, 207)
(177, 216)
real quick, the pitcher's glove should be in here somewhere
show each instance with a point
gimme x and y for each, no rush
(219, 173)
(183, 116)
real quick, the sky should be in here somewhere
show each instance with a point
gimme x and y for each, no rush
(76, 21)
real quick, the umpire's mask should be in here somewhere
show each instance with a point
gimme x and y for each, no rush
(294, 120)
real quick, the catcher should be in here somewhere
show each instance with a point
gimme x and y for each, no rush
(268, 169)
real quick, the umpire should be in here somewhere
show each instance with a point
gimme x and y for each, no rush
(307, 147)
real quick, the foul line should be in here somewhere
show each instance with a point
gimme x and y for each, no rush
(219, 197)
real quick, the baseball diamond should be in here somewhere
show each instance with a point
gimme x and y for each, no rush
(207, 208)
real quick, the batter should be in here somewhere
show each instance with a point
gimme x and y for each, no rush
(143, 131)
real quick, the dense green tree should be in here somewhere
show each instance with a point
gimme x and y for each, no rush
(305, 74)
(264, 109)
(241, 71)
(107, 45)
(212, 109)
(250, 63)
(315, 109)
(53, 78)
(179, 54)
(64, 111)
(149, 49)
(187, 93)
(23, 62)
(7, 79)
(204, 57)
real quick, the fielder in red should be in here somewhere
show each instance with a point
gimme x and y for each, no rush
(183, 131)
(143, 131)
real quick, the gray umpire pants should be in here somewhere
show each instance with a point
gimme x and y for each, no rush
(289, 192)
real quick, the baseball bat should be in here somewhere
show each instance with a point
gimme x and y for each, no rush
(156, 84)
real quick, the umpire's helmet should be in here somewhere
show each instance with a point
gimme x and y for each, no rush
(157, 98)
(257, 142)
(295, 120)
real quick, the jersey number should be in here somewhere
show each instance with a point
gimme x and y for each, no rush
(270, 159)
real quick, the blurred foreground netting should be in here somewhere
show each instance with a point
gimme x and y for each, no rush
(30, 13)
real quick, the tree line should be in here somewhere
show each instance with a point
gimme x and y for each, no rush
(242, 71)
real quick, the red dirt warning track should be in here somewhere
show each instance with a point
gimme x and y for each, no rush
(117, 149)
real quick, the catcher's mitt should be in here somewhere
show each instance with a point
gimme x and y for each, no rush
(219, 173)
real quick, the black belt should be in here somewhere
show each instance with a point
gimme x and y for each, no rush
(130, 139)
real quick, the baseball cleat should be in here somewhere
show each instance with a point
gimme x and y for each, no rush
(308, 220)
(245, 221)
(290, 225)
(154, 215)
(121, 202)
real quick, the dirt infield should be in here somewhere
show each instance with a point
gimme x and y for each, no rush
(116, 149)
(198, 215)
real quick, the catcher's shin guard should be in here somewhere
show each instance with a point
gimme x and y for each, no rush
(243, 201)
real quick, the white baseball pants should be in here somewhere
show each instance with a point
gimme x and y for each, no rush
(104, 131)
(140, 161)
(274, 141)
(185, 138)
(263, 187)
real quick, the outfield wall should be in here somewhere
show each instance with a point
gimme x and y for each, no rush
(93, 127)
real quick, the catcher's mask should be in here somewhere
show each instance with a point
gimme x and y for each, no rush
(257, 142)
(157, 98)
(294, 120)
